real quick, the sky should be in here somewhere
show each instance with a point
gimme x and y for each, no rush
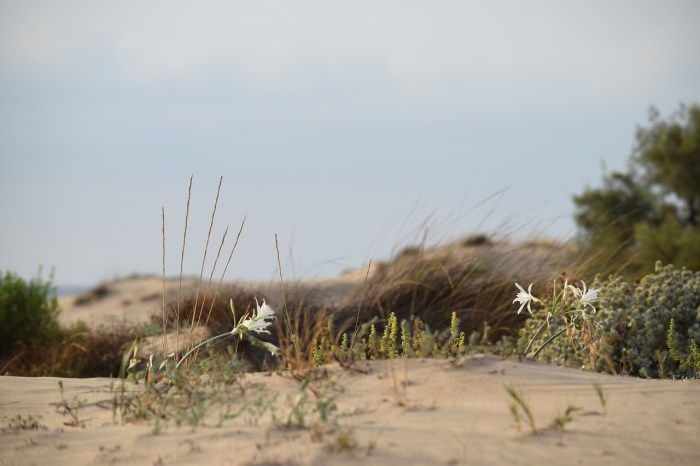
(349, 129)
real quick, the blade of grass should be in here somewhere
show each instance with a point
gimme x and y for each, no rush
(284, 301)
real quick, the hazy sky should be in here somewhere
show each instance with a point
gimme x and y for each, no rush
(340, 126)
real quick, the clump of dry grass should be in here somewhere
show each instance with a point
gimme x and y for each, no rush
(473, 278)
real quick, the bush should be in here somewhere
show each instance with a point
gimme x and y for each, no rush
(28, 312)
(77, 351)
(631, 326)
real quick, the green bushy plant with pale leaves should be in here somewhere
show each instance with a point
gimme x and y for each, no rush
(631, 326)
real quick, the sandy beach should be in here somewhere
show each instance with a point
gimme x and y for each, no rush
(403, 411)
(415, 412)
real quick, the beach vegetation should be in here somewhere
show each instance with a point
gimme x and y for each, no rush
(631, 331)
(651, 211)
(520, 408)
(28, 313)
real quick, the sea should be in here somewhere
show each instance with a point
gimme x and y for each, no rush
(70, 290)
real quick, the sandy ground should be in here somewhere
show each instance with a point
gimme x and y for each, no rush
(410, 412)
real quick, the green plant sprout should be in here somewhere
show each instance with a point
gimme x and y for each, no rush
(602, 397)
(563, 418)
(571, 303)
(70, 409)
(520, 404)
(30, 422)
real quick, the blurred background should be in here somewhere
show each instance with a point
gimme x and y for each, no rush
(349, 129)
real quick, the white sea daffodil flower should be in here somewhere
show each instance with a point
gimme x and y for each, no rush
(258, 322)
(264, 311)
(525, 298)
(586, 297)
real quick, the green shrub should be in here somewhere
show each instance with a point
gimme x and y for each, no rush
(631, 325)
(689, 361)
(28, 311)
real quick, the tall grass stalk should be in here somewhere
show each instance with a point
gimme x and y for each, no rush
(287, 320)
(359, 306)
(204, 258)
(182, 261)
(165, 326)
(189, 340)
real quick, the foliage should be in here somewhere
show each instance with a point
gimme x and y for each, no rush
(28, 312)
(689, 361)
(472, 278)
(32, 342)
(185, 396)
(630, 335)
(407, 339)
(76, 351)
(569, 307)
(30, 422)
(651, 212)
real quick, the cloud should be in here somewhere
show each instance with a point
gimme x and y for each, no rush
(418, 45)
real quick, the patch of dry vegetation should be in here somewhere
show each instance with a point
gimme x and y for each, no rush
(472, 278)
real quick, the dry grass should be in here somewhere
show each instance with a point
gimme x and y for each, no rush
(473, 278)
(77, 351)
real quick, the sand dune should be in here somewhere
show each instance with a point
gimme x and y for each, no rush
(410, 412)
(413, 412)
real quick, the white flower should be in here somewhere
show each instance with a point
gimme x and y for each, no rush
(258, 322)
(258, 326)
(525, 297)
(586, 297)
(264, 311)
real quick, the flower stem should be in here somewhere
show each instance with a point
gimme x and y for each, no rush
(548, 341)
(537, 333)
(177, 366)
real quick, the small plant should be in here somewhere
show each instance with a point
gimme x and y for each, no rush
(686, 362)
(458, 339)
(258, 323)
(602, 397)
(70, 409)
(322, 408)
(187, 395)
(344, 442)
(30, 422)
(570, 305)
(520, 407)
(398, 387)
(563, 418)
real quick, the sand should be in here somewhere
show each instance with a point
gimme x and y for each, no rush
(412, 412)
(409, 412)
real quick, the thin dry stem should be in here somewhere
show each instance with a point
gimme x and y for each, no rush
(165, 327)
(182, 261)
(230, 256)
(206, 247)
(211, 276)
(284, 301)
(196, 315)
(359, 304)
